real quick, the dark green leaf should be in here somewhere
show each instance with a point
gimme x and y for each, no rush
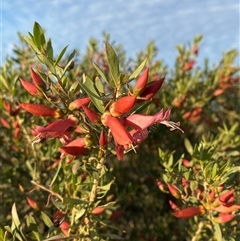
(32, 225)
(113, 64)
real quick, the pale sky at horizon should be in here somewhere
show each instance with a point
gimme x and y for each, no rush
(132, 24)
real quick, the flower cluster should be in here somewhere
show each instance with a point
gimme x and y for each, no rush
(219, 207)
(119, 120)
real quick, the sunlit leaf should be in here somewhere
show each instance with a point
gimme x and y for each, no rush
(113, 63)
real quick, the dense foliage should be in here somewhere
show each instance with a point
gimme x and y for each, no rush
(106, 186)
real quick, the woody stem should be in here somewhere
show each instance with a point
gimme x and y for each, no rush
(96, 180)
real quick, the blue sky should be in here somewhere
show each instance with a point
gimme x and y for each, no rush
(132, 23)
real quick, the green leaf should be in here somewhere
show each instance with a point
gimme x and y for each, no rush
(56, 174)
(99, 86)
(15, 216)
(188, 146)
(31, 223)
(113, 64)
(123, 78)
(47, 221)
(91, 91)
(49, 49)
(79, 214)
(37, 33)
(138, 70)
(217, 232)
(32, 44)
(100, 72)
(61, 55)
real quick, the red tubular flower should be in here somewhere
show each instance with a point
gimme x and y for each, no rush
(76, 147)
(120, 134)
(224, 218)
(142, 122)
(41, 110)
(37, 80)
(226, 209)
(189, 212)
(141, 83)
(122, 106)
(31, 88)
(226, 197)
(91, 114)
(56, 129)
(79, 103)
(151, 89)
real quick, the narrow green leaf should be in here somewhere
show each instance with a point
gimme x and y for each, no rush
(100, 72)
(79, 214)
(61, 55)
(99, 86)
(32, 225)
(90, 89)
(56, 174)
(15, 216)
(113, 63)
(30, 41)
(37, 33)
(138, 70)
(188, 146)
(217, 232)
(46, 220)
(49, 49)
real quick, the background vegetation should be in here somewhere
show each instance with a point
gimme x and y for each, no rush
(204, 99)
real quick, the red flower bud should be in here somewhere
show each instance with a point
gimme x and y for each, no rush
(174, 190)
(91, 114)
(41, 110)
(33, 204)
(79, 103)
(31, 88)
(151, 89)
(188, 65)
(37, 80)
(64, 226)
(103, 140)
(173, 206)
(189, 212)
(5, 123)
(98, 210)
(141, 83)
(122, 106)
